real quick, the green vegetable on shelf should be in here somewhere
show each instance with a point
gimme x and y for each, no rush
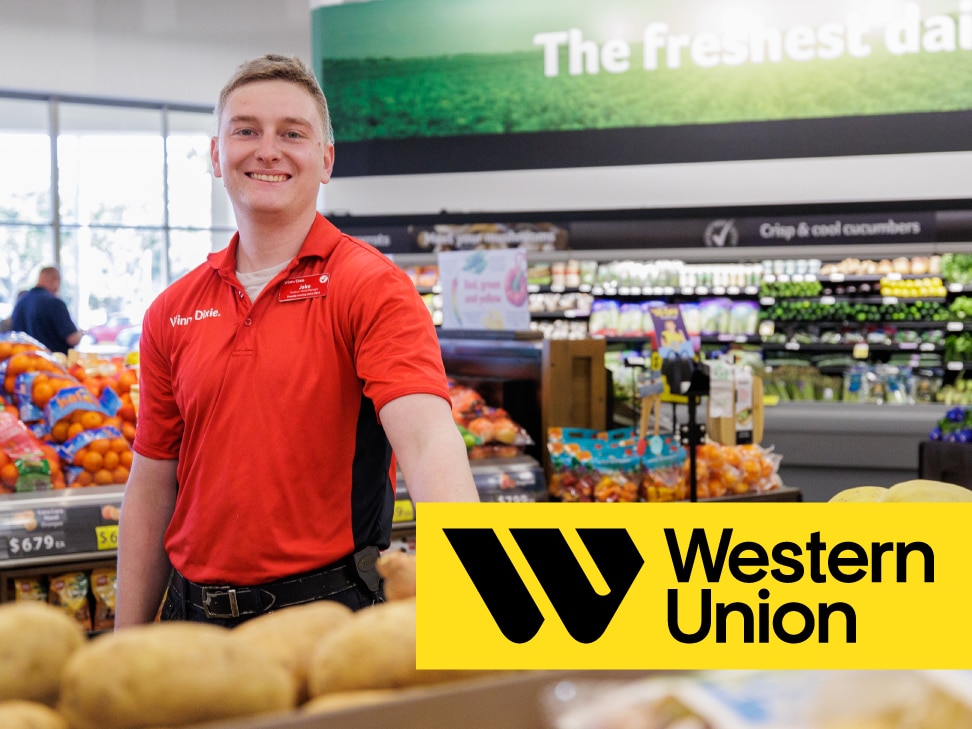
(961, 307)
(957, 267)
(958, 347)
(470, 439)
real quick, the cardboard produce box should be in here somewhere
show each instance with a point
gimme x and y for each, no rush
(508, 700)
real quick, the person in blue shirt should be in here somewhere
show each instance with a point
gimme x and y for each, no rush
(45, 317)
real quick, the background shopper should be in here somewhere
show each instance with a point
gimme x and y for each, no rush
(44, 316)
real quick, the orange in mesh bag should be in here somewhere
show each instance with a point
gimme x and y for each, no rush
(26, 462)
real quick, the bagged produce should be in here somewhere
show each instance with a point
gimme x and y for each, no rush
(489, 432)
(26, 462)
(574, 476)
(664, 475)
(12, 343)
(28, 360)
(97, 457)
(723, 470)
(590, 465)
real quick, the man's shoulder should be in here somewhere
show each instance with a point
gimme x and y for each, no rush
(187, 286)
(41, 299)
(356, 252)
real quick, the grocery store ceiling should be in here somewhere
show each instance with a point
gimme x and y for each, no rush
(276, 24)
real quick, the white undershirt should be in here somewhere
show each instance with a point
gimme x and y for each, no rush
(255, 281)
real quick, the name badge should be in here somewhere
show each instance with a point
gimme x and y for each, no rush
(304, 287)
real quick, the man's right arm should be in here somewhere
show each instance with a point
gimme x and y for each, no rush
(143, 565)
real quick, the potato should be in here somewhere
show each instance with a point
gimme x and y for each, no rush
(860, 493)
(921, 489)
(348, 699)
(398, 571)
(289, 635)
(373, 650)
(170, 674)
(36, 640)
(18, 714)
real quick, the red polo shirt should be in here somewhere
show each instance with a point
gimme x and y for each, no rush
(270, 406)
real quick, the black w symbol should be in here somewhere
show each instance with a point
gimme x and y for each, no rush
(584, 613)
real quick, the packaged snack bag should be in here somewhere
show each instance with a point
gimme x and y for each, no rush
(103, 582)
(31, 588)
(69, 591)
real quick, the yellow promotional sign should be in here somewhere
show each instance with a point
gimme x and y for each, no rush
(694, 586)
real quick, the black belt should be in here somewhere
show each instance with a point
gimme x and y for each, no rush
(227, 601)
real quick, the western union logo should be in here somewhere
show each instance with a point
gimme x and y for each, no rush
(585, 613)
(677, 586)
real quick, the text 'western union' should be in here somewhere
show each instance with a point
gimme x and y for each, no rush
(749, 562)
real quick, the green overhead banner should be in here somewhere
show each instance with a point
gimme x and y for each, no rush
(507, 84)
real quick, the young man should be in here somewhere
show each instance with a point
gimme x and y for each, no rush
(44, 316)
(277, 381)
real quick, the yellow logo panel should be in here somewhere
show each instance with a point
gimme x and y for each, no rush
(694, 586)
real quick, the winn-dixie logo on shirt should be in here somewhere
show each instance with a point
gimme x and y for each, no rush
(693, 586)
(181, 320)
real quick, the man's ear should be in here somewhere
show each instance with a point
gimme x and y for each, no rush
(328, 165)
(214, 156)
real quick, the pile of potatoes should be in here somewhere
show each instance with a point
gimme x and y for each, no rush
(915, 490)
(307, 658)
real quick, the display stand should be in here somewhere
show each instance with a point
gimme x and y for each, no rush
(541, 383)
(692, 433)
(949, 462)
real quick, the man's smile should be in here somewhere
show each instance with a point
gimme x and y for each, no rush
(267, 178)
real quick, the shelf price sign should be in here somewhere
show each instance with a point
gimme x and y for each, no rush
(35, 545)
(404, 510)
(52, 531)
(107, 536)
(34, 532)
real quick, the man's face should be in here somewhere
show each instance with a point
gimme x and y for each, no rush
(270, 150)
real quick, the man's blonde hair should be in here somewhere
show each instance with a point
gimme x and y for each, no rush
(272, 67)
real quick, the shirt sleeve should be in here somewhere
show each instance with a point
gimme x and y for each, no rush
(397, 349)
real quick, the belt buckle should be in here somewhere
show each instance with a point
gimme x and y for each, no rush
(208, 593)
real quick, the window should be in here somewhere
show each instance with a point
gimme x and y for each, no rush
(25, 195)
(124, 201)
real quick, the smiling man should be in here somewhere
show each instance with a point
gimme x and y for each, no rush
(281, 381)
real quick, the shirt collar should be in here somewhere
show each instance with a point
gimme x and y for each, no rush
(320, 242)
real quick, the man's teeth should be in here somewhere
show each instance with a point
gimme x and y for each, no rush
(268, 178)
